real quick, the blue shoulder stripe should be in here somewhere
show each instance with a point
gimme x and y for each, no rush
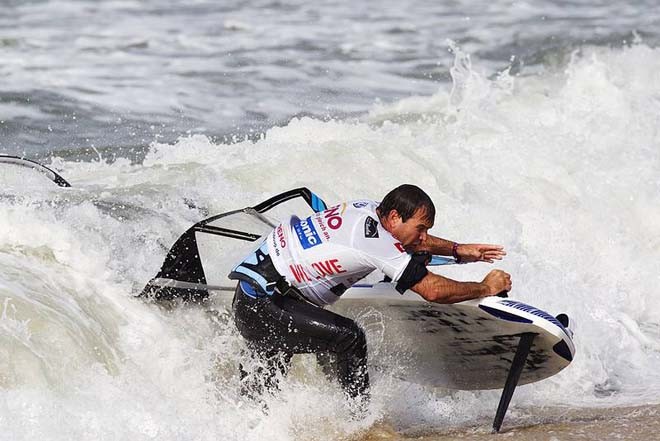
(317, 203)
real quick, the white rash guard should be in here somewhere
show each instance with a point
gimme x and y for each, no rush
(330, 251)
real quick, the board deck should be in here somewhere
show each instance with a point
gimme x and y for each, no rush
(466, 346)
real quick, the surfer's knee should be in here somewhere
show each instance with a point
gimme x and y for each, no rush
(350, 338)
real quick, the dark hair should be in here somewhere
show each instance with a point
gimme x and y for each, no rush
(406, 199)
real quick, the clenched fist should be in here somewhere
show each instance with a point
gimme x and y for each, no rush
(497, 281)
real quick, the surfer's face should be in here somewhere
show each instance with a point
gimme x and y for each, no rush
(413, 231)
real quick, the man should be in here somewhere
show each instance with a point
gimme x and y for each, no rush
(305, 264)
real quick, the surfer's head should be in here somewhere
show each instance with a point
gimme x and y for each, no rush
(407, 212)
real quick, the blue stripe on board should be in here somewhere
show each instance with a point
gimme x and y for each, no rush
(504, 315)
(440, 260)
(535, 311)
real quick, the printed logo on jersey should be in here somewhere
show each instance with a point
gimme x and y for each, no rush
(370, 227)
(333, 217)
(278, 240)
(329, 267)
(280, 236)
(323, 268)
(307, 233)
(360, 204)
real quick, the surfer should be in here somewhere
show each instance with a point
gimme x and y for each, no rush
(305, 264)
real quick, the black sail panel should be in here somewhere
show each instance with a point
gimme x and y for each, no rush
(200, 260)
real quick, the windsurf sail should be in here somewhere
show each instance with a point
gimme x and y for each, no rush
(18, 163)
(200, 260)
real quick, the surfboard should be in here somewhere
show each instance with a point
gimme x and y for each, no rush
(489, 343)
(465, 346)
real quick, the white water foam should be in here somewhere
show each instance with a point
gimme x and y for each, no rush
(562, 168)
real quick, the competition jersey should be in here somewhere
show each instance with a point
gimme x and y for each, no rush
(326, 253)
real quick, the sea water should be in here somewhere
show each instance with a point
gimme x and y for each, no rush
(531, 124)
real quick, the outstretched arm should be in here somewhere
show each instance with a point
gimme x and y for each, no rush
(467, 252)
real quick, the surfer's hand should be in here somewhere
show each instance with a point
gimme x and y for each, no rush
(497, 281)
(479, 252)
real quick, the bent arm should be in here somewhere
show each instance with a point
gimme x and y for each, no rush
(438, 289)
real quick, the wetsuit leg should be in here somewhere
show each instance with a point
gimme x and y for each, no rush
(328, 363)
(285, 325)
(266, 367)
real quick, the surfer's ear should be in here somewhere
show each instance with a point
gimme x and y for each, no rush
(393, 217)
(390, 219)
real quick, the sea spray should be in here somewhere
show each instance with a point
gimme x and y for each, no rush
(560, 167)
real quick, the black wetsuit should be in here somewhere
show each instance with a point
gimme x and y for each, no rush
(278, 326)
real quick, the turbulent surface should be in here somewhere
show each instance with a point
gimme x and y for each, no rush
(557, 158)
(113, 76)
